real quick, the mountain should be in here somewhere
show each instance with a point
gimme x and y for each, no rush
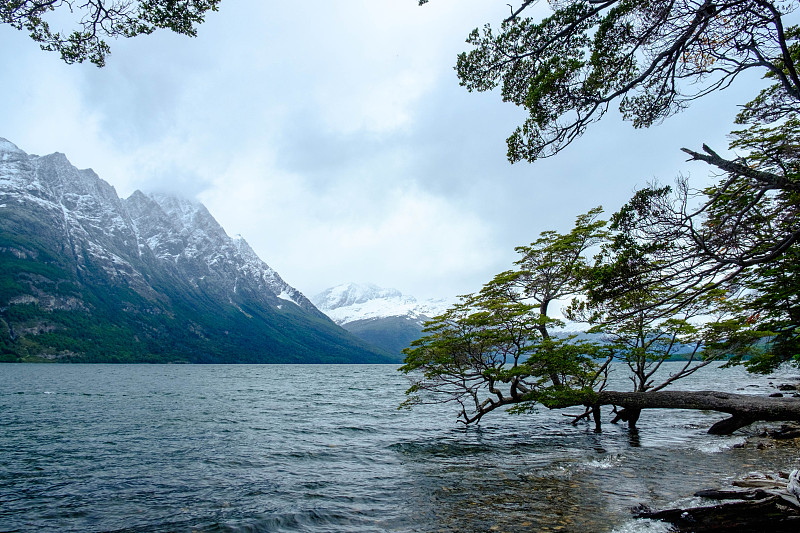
(383, 317)
(88, 277)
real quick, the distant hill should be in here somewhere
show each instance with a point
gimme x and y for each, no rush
(383, 317)
(88, 277)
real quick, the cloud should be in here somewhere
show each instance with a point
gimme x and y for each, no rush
(353, 230)
(335, 138)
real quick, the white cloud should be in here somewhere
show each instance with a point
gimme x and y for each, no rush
(353, 230)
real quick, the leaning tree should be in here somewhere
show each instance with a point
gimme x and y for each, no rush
(499, 348)
(97, 20)
(743, 232)
(672, 255)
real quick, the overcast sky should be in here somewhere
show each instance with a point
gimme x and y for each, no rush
(334, 137)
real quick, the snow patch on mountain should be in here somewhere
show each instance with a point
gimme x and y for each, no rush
(363, 301)
(7, 149)
(91, 216)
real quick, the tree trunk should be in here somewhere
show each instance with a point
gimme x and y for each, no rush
(631, 416)
(744, 409)
(596, 414)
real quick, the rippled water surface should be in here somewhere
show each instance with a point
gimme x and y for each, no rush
(323, 448)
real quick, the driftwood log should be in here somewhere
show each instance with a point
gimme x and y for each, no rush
(758, 504)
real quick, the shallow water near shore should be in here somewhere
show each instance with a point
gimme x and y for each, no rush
(162, 448)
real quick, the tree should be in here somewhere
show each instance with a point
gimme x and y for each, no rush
(100, 19)
(496, 348)
(741, 233)
(637, 315)
(772, 307)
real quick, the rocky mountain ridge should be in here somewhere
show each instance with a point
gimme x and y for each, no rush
(155, 273)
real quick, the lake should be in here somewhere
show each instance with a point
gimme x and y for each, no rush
(165, 448)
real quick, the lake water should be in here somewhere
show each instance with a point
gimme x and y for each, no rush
(130, 448)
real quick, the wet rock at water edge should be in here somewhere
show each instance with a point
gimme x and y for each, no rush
(783, 436)
(757, 502)
(786, 431)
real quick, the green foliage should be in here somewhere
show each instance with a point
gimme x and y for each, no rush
(774, 149)
(99, 19)
(742, 240)
(650, 58)
(779, 100)
(630, 300)
(771, 310)
(495, 348)
(642, 295)
(703, 275)
(558, 398)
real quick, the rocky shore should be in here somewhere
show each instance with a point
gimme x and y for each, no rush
(755, 502)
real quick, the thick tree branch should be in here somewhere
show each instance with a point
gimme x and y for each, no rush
(773, 181)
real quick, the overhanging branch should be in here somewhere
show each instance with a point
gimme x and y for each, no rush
(774, 181)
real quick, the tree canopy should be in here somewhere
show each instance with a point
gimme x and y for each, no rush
(96, 20)
(709, 273)
(501, 347)
(495, 347)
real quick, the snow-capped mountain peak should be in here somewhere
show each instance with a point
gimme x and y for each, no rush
(89, 214)
(349, 294)
(350, 302)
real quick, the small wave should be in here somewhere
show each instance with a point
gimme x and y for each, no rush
(308, 520)
(609, 461)
(696, 425)
(560, 472)
(719, 445)
(643, 525)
